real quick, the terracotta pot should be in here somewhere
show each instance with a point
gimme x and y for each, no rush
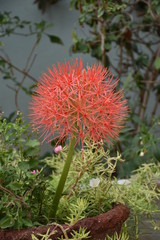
(104, 224)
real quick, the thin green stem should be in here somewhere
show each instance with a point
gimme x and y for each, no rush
(63, 178)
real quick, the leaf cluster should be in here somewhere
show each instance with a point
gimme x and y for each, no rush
(124, 36)
(13, 26)
(26, 197)
(18, 156)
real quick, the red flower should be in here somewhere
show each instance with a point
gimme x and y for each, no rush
(70, 99)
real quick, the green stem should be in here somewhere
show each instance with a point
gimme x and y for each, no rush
(63, 178)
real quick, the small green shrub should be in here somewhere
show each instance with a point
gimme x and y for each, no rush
(28, 183)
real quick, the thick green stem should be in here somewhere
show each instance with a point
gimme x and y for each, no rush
(63, 178)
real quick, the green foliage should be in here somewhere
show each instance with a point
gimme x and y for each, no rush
(81, 234)
(140, 149)
(94, 163)
(44, 236)
(13, 25)
(111, 25)
(77, 210)
(55, 39)
(157, 63)
(17, 183)
(92, 13)
(28, 183)
(124, 36)
(26, 195)
(122, 236)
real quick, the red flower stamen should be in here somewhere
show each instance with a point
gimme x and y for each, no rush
(70, 99)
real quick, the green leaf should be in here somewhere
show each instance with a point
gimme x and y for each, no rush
(88, 8)
(33, 163)
(74, 36)
(108, 46)
(111, 37)
(157, 63)
(31, 152)
(82, 19)
(142, 60)
(156, 152)
(15, 186)
(21, 140)
(40, 26)
(27, 222)
(100, 12)
(55, 39)
(24, 166)
(80, 46)
(32, 143)
(127, 81)
(6, 222)
(136, 119)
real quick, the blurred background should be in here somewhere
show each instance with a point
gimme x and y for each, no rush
(20, 45)
(123, 35)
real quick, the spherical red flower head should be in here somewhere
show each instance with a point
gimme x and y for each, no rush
(70, 100)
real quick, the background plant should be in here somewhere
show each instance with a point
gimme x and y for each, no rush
(132, 27)
(19, 188)
(26, 197)
(124, 35)
(12, 25)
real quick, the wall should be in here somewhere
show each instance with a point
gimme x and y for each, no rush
(47, 53)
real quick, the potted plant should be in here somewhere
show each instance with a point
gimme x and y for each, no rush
(80, 104)
(28, 184)
(83, 106)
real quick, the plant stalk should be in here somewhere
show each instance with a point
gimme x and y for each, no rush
(63, 178)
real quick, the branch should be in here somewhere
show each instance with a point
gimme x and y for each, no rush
(149, 84)
(26, 69)
(17, 198)
(102, 37)
(18, 69)
(155, 107)
(81, 172)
